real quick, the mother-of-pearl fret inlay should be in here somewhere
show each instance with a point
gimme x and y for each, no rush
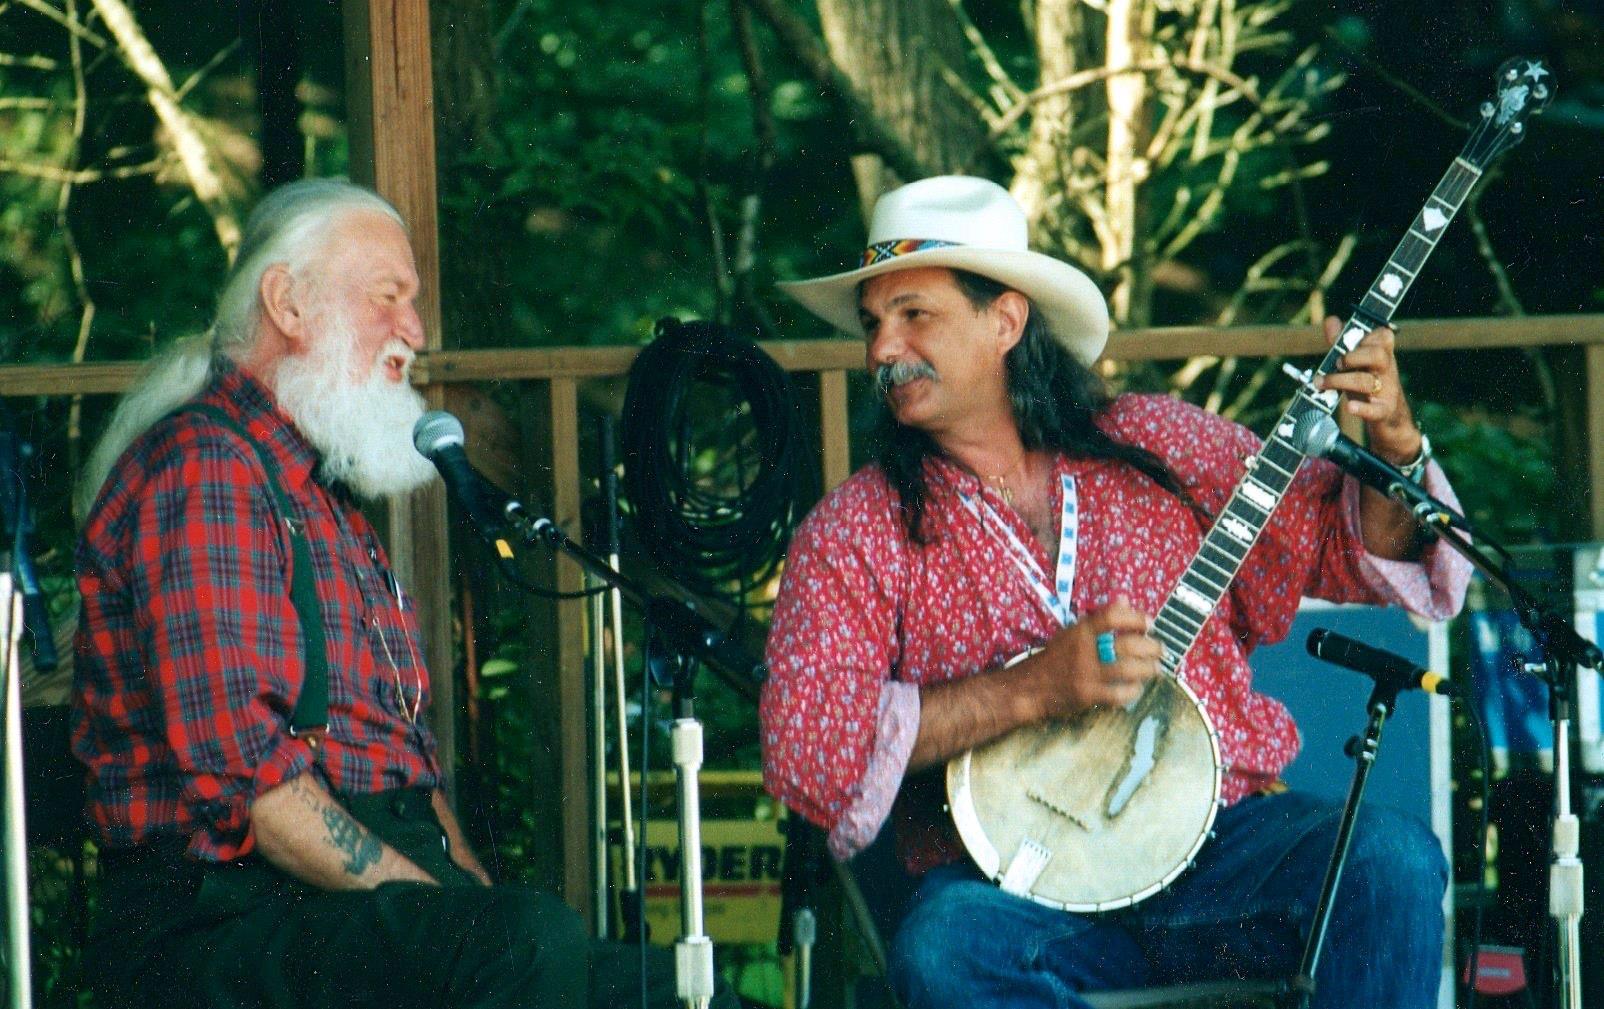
(1259, 494)
(1239, 529)
(1194, 600)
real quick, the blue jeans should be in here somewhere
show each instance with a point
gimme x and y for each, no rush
(1243, 910)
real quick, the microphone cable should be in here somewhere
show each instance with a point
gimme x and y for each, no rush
(715, 514)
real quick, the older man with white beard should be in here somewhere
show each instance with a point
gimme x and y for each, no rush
(250, 687)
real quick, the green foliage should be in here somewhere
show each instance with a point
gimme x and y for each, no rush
(1501, 468)
(609, 152)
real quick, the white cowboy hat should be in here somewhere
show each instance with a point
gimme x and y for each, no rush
(967, 224)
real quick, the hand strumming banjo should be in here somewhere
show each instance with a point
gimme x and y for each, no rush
(1101, 810)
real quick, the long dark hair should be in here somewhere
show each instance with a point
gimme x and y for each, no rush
(1056, 402)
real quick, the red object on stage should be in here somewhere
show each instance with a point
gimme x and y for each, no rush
(1500, 970)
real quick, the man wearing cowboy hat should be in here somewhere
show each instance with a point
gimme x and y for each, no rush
(1013, 503)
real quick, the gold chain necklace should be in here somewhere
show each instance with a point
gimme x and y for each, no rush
(1001, 483)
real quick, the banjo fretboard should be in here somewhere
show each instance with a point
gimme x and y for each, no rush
(1269, 473)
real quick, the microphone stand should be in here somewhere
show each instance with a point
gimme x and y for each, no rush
(632, 896)
(19, 600)
(1563, 650)
(1363, 750)
(678, 638)
(17, 949)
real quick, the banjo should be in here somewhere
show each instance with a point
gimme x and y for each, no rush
(1105, 808)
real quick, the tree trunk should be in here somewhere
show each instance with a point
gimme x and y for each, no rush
(898, 54)
(1130, 24)
(1043, 169)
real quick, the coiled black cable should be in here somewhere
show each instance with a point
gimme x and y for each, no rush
(712, 451)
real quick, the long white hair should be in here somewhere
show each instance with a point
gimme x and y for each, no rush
(289, 227)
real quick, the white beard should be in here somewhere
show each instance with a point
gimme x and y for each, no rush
(363, 430)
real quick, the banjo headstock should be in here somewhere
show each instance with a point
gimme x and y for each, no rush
(1525, 87)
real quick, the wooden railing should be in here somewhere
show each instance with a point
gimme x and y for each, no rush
(554, 376)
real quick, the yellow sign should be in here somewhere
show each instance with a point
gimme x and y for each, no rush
(740, 880)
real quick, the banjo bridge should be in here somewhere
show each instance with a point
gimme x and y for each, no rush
(1056, 807)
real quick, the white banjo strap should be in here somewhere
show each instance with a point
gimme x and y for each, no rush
(1056, 595)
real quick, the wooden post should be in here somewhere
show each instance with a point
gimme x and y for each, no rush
(834, 440)
(390, 109)
(1593, 444)
(557, 642)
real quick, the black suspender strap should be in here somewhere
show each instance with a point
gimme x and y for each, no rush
(310, 720)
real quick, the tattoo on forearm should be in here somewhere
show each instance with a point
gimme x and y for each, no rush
(361, 848)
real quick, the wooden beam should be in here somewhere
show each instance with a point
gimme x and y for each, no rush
(390, 111)
(1173, 343)
(1170, 343)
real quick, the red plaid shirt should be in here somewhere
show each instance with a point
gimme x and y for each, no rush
(189, 649)
(864, 617)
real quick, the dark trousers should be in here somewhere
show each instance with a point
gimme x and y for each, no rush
(174, 933)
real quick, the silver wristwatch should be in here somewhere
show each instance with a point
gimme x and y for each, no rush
(1415, 468)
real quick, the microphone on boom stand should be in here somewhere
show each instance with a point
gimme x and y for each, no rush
(1317, 434)
(439, 438)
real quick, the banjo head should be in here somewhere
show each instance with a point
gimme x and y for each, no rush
(1094, 812)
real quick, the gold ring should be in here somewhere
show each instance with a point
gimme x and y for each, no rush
(1375, 384)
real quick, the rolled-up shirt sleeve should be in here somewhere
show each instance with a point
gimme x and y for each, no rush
(837, 728)
(213, 614)
(1432, 586)
(869, 802)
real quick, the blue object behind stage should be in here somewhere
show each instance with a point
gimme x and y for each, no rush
(1328, 703)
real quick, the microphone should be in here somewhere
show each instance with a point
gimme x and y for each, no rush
(439, 438)
(1317, 434)
(1385, 668)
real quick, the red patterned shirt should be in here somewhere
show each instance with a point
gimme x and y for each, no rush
(865, 617)
(189, 650)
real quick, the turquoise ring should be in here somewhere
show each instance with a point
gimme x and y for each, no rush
(1105, 647)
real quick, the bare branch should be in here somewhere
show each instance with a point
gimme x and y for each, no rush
(75, 262)
(988, 58)
(187, 142)
(212, 64)
(1094, 75)
(981, 107)
(1402, 86)
(763, 129)
(871, 132)
(32, 62)
(72, 24)
(78, 176)
(24, 104)
(1508, 300)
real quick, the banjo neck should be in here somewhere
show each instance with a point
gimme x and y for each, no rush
(1521, 92)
